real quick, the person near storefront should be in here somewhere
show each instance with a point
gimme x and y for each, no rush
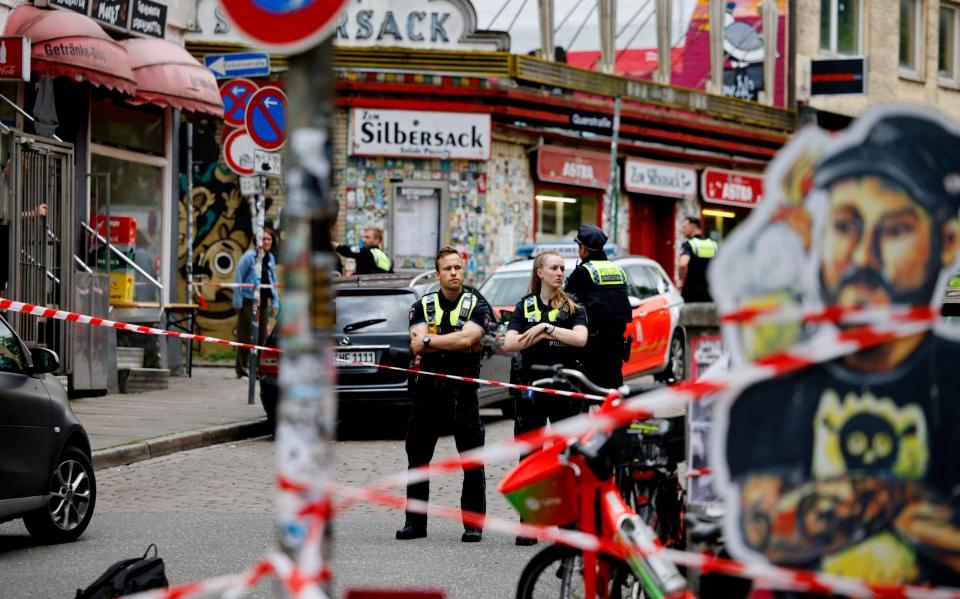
(546, 328)
(695, 256)
(601, 287)
(370, 258)
(243, 298)
(446, 328)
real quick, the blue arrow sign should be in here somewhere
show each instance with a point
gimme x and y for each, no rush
(239, 64)
(265, 118)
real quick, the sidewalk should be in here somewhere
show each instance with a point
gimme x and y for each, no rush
(211, 407)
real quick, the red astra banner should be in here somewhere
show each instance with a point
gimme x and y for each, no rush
(731, 188)
(573, 167)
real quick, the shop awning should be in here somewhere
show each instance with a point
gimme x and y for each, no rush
(168, 75)
(68, 44)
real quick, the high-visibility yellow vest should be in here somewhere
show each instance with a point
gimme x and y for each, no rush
(459, 315)
(703, 248)
(531, 311)
(604, 272)
(381, 259)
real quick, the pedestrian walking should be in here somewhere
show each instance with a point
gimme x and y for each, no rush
(243, 298)
(601, 286)
(370, 258)
(695, 256)
(547, 328)
(446, 327)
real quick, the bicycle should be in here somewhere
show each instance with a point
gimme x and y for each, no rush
(572, 482)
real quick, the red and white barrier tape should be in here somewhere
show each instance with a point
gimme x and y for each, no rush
(236, 285)
(858, 315)
(34, 310)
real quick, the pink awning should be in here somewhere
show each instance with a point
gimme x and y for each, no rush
(168, 75)
(67, 44)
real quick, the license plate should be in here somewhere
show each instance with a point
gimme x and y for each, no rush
(351, 358)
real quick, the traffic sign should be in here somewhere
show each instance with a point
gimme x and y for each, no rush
(249, 186)
(267, 163)
(266, 118)
(236, 95)
(238, 64)
(238, 152)
(289, 26)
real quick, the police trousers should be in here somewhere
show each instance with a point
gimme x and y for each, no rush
(440, 408)
(602, 357)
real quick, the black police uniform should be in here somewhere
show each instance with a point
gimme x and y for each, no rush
(369, 260)
(534, 409)
(701, 251)
(440, 405)
(601, 287)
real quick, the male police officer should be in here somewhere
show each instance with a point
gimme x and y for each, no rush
(445, 332)
(601, 286)
(370, 258)
(695, 255)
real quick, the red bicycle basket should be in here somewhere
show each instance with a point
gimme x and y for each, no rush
(543, 490)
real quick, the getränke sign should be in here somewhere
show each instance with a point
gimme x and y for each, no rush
(433, 24)
(418, 134)
(659, 178)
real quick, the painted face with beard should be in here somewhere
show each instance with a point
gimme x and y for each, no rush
(880, 246)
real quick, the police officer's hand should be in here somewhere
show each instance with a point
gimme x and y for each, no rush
(416, 342)
(532, 335)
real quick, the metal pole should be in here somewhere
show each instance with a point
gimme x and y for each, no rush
(307, 412)
(664, 62)
(189, 240)
(256, 215)
(769, 51)
(608, 35)
(716, 47)
(614, 187)
(546, 29)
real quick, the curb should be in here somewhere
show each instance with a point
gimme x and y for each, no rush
(160, 446)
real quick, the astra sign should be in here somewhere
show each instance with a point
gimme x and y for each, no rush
(416, 134)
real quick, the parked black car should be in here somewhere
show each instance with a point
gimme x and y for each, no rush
(372, 327)
(46, 475)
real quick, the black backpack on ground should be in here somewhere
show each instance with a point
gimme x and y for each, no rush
(127, 577)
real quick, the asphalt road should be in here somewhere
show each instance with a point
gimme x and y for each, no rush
(210, 513)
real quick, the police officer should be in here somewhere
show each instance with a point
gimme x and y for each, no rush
(695, 255)
(547, 327)
(370, 258)
(601, 286)
(445, 332)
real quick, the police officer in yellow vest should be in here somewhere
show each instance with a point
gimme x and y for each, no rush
(601, 286)
(370, 258)
(445, 332)
(695, 255)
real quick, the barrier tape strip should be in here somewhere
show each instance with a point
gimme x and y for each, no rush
(853, 315)
(34, 310)
(236, 285)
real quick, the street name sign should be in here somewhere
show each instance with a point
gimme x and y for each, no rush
(238, 64)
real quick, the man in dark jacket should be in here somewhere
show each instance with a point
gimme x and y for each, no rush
(370, 258)
(601, 286)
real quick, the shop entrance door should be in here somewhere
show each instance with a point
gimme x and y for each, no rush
(652, 229)
(42, 236)
(418, 224)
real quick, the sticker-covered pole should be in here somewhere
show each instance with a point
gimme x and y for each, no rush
(307, 410)
(256, 216)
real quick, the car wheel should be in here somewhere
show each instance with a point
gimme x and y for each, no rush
(675, 362)
(71, 497)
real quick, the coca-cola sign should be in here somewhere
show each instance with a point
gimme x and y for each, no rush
(573, 167)
(14, 58)
(731, 188)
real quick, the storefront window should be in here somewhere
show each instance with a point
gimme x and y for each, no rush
(136, 192)
(717, 224)
(560, 214)
(134, 128)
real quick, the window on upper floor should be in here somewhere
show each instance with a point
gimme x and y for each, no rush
(910, 36)
(948, 48)
(840, 26)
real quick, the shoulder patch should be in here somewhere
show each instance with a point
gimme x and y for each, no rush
(413, 312)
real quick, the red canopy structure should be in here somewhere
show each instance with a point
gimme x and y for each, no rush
(167, 75)
(68, 44)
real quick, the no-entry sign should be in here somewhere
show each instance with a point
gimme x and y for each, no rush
(266, 118)
(284, 25)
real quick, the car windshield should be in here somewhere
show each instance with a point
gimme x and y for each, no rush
(506, 289)
(371, 313)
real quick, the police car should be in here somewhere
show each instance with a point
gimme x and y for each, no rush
(657, 343)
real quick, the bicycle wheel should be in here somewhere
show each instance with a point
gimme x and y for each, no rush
(557, 573)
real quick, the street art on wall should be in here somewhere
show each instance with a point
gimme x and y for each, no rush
(849, 466)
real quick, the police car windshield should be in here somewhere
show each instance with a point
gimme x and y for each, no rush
(373, 313)
(506, 289)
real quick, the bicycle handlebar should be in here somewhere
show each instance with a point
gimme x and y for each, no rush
(563, 375)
